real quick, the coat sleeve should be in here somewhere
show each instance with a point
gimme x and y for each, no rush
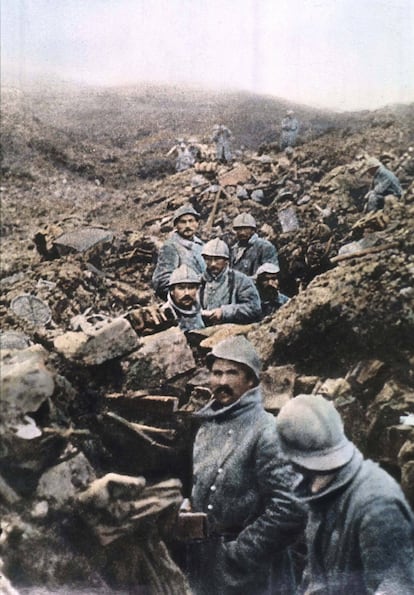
(246, 307)
(283, 518)
(168, 261)
(387, 550)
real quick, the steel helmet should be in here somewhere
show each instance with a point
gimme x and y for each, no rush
(185, 210)
(184, 274)
(371, 163)
(267, 267)
(216, 247)
(312, 434)
(244, 220)
(236, 349)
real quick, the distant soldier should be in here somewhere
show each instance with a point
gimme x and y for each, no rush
(182, 299)
(290, 128)
(384, 182)
(183, 247)
(250, 251)
(226, 295)
(360, 531)
(222, 136)
(184, 156)
(267, 284)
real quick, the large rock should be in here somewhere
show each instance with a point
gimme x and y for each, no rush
(64, 481)
(161, 357)
(25, 381)
(238, 175)
(114, 339)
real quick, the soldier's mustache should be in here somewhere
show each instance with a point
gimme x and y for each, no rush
(223, 390)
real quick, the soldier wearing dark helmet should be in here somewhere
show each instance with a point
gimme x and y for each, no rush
(360, 532)
(226, 295)
(183, 247)
(250, 251)
(242, 482)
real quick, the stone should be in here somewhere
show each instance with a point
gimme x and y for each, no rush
(114, 339)
(332, 388)
(277, 384)
(221, 332)
(63, 482)
(82, 239)
(160, 358)
(25, 381)
(240, 174)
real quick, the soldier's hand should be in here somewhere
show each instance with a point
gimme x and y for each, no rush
(213, 316)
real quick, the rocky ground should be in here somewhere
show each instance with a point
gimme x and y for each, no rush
(98, 388)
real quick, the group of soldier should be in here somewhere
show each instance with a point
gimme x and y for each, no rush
(208, 284)
(264, 481)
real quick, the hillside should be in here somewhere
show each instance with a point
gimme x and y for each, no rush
(96, 159)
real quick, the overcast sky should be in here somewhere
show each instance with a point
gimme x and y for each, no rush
(345, 54)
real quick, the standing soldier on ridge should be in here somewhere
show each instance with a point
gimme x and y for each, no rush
(221, 137)
(290, 128)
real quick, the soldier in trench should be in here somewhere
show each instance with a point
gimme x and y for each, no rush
(243, 483)
(183, 247)
(360, 532)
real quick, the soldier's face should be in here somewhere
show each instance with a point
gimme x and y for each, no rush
(244, 233)
(268, 280)
(229, 381)
(186, 226)
(215, 264)
(184, 295)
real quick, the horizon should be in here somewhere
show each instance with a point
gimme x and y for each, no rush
(341, 56)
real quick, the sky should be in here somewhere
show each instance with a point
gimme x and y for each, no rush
(340, 54)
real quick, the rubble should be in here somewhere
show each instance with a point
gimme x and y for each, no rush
(98, 388)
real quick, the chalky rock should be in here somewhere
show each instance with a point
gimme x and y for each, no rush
(161, 357)
(25, 381)
(114, 339)
(63, 482)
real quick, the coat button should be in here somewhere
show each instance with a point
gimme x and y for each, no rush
(210, 507)
(213, 488)
(220, 470)
(230, 432)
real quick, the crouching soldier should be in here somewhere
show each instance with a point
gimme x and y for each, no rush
(243, 484)
(267, 283)
(360, 532)
(182, 298)
(384, 182)
(226, 295)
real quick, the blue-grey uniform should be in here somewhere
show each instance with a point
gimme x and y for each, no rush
(188, 320)
(290, 128)
(175, 252)
(384, 182)
(234, 293)
(250, 257)
(221, 137)
(243, 484)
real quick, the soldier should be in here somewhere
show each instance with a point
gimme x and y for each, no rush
(184, 156)
(267, 284)
(242, 482)
(182, 299)
(360, 532)
(222, 136)
(183, 247)
(226, 295)
(383, 182)
(290, 128)
(250, 251)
